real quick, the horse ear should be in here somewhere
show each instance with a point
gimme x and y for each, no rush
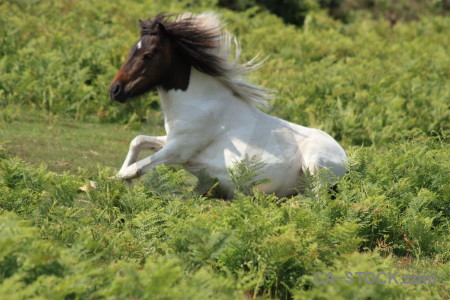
(161, 31)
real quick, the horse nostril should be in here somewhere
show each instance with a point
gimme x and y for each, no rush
(116, 89)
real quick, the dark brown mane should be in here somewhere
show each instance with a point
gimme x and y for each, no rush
(195, 43)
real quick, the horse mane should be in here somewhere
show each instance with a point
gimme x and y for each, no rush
(202, 40)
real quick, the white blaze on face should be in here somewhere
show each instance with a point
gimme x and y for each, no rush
(139, 45)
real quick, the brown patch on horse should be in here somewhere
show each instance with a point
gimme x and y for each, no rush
(193, 41)
(121, 76)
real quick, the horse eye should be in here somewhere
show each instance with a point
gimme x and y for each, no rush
(148, 56)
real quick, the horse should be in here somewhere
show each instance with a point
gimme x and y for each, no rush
(212, 115)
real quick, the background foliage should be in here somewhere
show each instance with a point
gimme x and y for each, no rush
(361, 82)
(378, 82)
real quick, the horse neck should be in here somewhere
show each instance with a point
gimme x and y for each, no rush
(200, 86)
(203, 93)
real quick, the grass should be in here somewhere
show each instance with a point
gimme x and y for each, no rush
(69, 145)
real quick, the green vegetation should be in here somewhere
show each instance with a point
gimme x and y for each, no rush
(160, 239)
(295, 11)
(362, 82)
(382, 88)
(69, 145)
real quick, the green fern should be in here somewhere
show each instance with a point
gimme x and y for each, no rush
(244, 174)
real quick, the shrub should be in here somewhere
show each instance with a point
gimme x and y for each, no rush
(291, 11)
(161, 239)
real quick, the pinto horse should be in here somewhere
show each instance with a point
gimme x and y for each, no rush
(211, 114)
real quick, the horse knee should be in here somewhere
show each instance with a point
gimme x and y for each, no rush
(136, 142)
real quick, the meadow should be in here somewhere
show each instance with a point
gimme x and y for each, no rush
(381, 89)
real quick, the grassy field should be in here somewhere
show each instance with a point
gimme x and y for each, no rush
(383, 91)
(69, 145)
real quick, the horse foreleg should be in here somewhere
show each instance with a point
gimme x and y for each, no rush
(175, 151)
(139, 143)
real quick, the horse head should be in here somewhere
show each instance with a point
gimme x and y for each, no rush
(164, 55)
(152, 62)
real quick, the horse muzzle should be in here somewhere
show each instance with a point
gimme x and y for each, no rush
(117, 92)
